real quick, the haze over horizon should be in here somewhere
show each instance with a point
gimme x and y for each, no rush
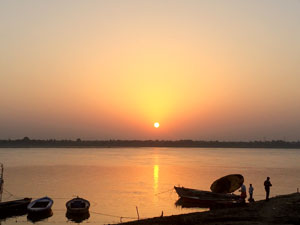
(205, 70)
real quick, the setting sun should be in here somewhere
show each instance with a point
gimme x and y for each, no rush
(156, 125)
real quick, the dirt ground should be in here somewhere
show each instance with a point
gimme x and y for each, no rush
(281, 210)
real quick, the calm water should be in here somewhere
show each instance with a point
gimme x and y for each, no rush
(116, 180)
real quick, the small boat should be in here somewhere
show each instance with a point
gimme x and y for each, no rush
(78, 206)
(221, 191)
(40, 206)
(15, 207)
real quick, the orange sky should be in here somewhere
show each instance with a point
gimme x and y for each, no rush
(226, 70)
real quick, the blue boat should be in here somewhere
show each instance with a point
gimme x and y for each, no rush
(40, 206)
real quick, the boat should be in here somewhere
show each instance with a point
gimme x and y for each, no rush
(40, 206)
(221, 191)
(78, 206)
(78, 209)
(205, 197)
(15, 207)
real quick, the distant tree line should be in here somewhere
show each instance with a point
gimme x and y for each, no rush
(51, 143)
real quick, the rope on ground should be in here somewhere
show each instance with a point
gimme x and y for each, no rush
(104, 214)
(10, 194)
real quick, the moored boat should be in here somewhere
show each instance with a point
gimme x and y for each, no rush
(78, 206)
(15, 207)
(40, 206)
(221, 191)
(203, 196)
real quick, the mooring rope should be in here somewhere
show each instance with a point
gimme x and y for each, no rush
(104, 214)
(11, 194)
(115, 216)
(169, 190)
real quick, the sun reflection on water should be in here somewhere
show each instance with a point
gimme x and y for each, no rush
(155, 177)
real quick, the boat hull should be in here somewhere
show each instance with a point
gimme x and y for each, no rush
(14, 208)
(78, 206)
(194, 202)
(203, 196)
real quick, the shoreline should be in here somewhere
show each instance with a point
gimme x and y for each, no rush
(279, 210)
(52, 143)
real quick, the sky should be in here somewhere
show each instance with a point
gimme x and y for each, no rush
(205, 70)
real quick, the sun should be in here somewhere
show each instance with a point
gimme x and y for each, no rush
(156, 125)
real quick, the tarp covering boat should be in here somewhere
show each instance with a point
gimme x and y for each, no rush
(227, 184)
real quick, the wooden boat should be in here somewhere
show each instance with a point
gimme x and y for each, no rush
(195, 195)
(221, 190)
(78, 206)
(40, 206)
(15, 207)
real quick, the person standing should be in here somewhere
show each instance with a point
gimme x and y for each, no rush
(243, 193)
(251, 189)
(267, 185)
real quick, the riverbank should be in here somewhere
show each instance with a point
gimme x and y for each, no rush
(52, 143)
(280, 210)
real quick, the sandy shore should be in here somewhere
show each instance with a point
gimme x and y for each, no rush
(283, 210)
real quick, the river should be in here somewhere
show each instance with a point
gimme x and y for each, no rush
(118, 182)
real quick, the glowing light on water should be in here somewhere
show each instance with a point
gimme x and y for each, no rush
(155, 176)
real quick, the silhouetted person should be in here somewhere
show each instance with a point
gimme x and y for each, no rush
(251, 189)
(243, 193)
(267, 184)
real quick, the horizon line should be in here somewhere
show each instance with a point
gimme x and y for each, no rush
(144, 140)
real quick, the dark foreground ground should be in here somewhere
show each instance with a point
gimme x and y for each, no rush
(281, 210)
